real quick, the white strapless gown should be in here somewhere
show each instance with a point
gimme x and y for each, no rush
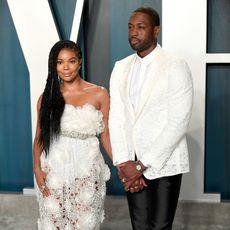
(76, 173)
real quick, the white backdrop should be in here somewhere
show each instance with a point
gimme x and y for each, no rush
(184, 33)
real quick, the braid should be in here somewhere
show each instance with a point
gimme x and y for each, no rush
(53, 103)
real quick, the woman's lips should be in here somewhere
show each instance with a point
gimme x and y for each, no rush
(66, 74)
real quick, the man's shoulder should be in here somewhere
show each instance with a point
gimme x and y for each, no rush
(172, 62)
(172, 57)
(125, 60)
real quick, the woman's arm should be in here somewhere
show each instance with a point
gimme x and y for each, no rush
(103, 97)
(40, 176)
(37, 148)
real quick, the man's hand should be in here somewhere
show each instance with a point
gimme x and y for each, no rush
(127, 172)
(138, 185)
(129, 175)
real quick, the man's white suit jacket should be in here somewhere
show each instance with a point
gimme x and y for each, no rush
(156, 131)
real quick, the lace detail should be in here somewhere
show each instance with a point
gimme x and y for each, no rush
(76, 174)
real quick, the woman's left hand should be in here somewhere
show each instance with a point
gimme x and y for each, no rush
(41, 182)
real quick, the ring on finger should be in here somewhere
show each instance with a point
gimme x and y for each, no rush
(42, 188)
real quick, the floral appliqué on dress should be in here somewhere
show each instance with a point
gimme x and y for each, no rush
(76, 173)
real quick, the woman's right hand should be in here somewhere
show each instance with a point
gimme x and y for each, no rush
(40, 177)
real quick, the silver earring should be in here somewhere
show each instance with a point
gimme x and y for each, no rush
(59, 80)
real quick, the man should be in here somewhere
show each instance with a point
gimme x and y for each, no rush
(151, 102)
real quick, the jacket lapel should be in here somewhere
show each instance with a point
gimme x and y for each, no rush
(150, 82)
(127, 73)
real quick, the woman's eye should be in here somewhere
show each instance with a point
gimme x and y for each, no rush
(59, 62)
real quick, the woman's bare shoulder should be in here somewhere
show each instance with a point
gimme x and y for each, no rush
(96, 89)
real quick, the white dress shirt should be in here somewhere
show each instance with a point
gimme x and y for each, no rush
(139, 73)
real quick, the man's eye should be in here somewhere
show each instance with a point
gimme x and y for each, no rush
(130, 27)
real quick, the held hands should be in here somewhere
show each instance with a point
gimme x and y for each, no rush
(138, 185)
(40, 179)
(132, 178)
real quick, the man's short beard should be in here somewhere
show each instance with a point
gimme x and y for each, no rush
(140, 49)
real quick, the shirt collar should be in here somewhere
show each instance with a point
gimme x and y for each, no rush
(148, 58)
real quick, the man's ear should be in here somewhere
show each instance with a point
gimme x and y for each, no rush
(156, 31)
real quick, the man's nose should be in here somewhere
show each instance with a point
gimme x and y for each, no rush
(133, 31)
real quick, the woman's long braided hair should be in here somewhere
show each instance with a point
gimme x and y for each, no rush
(53, 103)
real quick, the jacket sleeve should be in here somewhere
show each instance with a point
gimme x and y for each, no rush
(180, 93)
(117, 121)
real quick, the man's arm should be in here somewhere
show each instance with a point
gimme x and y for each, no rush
(180, 92)
(117, 122)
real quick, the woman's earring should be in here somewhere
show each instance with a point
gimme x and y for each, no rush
(59, 80)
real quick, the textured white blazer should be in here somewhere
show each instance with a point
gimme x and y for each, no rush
(156, 132)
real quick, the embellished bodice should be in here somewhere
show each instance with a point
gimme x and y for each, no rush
(81, 121)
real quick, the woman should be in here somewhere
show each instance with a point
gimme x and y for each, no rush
(69, 169)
